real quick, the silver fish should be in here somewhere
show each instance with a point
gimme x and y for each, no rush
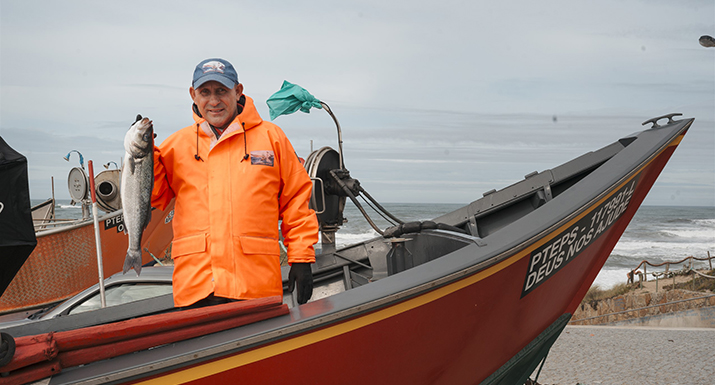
(137, 183)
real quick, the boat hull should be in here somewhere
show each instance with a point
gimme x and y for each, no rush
(461, 332)
(483, 307)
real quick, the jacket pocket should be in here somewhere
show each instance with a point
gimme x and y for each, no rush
(256, 245)
(190, 244)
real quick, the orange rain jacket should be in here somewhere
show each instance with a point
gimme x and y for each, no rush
(228, 206)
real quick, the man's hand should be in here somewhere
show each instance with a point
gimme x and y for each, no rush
(300, 273)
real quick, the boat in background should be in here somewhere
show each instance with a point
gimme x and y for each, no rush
(64, 262)
(477, 295)
(43, 213)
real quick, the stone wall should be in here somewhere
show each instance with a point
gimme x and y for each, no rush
(583, 314)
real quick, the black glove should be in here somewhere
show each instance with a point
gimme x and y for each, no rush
(139, 117)
(300, 272)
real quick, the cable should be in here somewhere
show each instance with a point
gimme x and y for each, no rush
(362, 190)
(377, 211)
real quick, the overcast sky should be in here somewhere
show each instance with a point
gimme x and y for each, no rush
(438, 101)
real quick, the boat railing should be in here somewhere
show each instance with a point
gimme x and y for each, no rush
(688, 267)
(46, 225)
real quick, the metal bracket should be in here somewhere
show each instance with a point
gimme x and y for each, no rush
(313, 200)
(655, 120)
(473, 230)
(547, 192)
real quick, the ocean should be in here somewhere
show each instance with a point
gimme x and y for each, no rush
(656, 233)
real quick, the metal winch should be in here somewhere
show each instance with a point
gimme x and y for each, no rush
(107, 184)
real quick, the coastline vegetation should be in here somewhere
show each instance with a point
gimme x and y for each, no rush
(596, 293)
(694, 283)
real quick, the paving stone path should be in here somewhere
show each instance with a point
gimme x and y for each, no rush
(589, 355)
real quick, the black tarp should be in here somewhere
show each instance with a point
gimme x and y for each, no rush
(17, 234)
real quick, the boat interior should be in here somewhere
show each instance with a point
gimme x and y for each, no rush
(407, 245)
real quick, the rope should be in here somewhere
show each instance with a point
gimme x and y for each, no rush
(672, 263)
(667, 264)
(701, 274)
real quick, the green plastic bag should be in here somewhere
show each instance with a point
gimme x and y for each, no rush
(291, 98)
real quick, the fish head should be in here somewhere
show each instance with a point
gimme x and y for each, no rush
(139, 140)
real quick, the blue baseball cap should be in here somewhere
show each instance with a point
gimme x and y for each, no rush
(217, 70)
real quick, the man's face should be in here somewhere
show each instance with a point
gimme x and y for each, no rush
(216, 102)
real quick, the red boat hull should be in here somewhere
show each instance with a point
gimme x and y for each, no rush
(459, 333)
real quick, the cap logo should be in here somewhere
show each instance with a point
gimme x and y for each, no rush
(213, 66)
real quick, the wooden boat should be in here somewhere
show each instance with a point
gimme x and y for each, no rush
(64, 262)
(477, 295)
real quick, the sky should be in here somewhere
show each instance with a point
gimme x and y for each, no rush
(438, 102)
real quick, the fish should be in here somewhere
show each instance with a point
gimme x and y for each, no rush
(136, 186)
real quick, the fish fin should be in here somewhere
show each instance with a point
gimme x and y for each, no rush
(133, 259)
(131, 164)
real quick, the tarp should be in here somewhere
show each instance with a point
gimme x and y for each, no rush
(17, 234)
(291, 98)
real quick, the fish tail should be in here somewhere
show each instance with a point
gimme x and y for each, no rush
(133, 259)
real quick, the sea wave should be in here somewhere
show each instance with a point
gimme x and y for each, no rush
(629, 247)
(344, 239)
(710, 222)
(607, 278)
(692, 233)
(69, 207)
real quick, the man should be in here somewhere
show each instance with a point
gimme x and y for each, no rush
(234, 176)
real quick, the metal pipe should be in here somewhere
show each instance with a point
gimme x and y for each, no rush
(97, 238)
(352, 261)
(340, 133)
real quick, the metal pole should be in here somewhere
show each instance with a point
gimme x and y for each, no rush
(97, 238)
(54, 202)
(340, 133)
(710, 261)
